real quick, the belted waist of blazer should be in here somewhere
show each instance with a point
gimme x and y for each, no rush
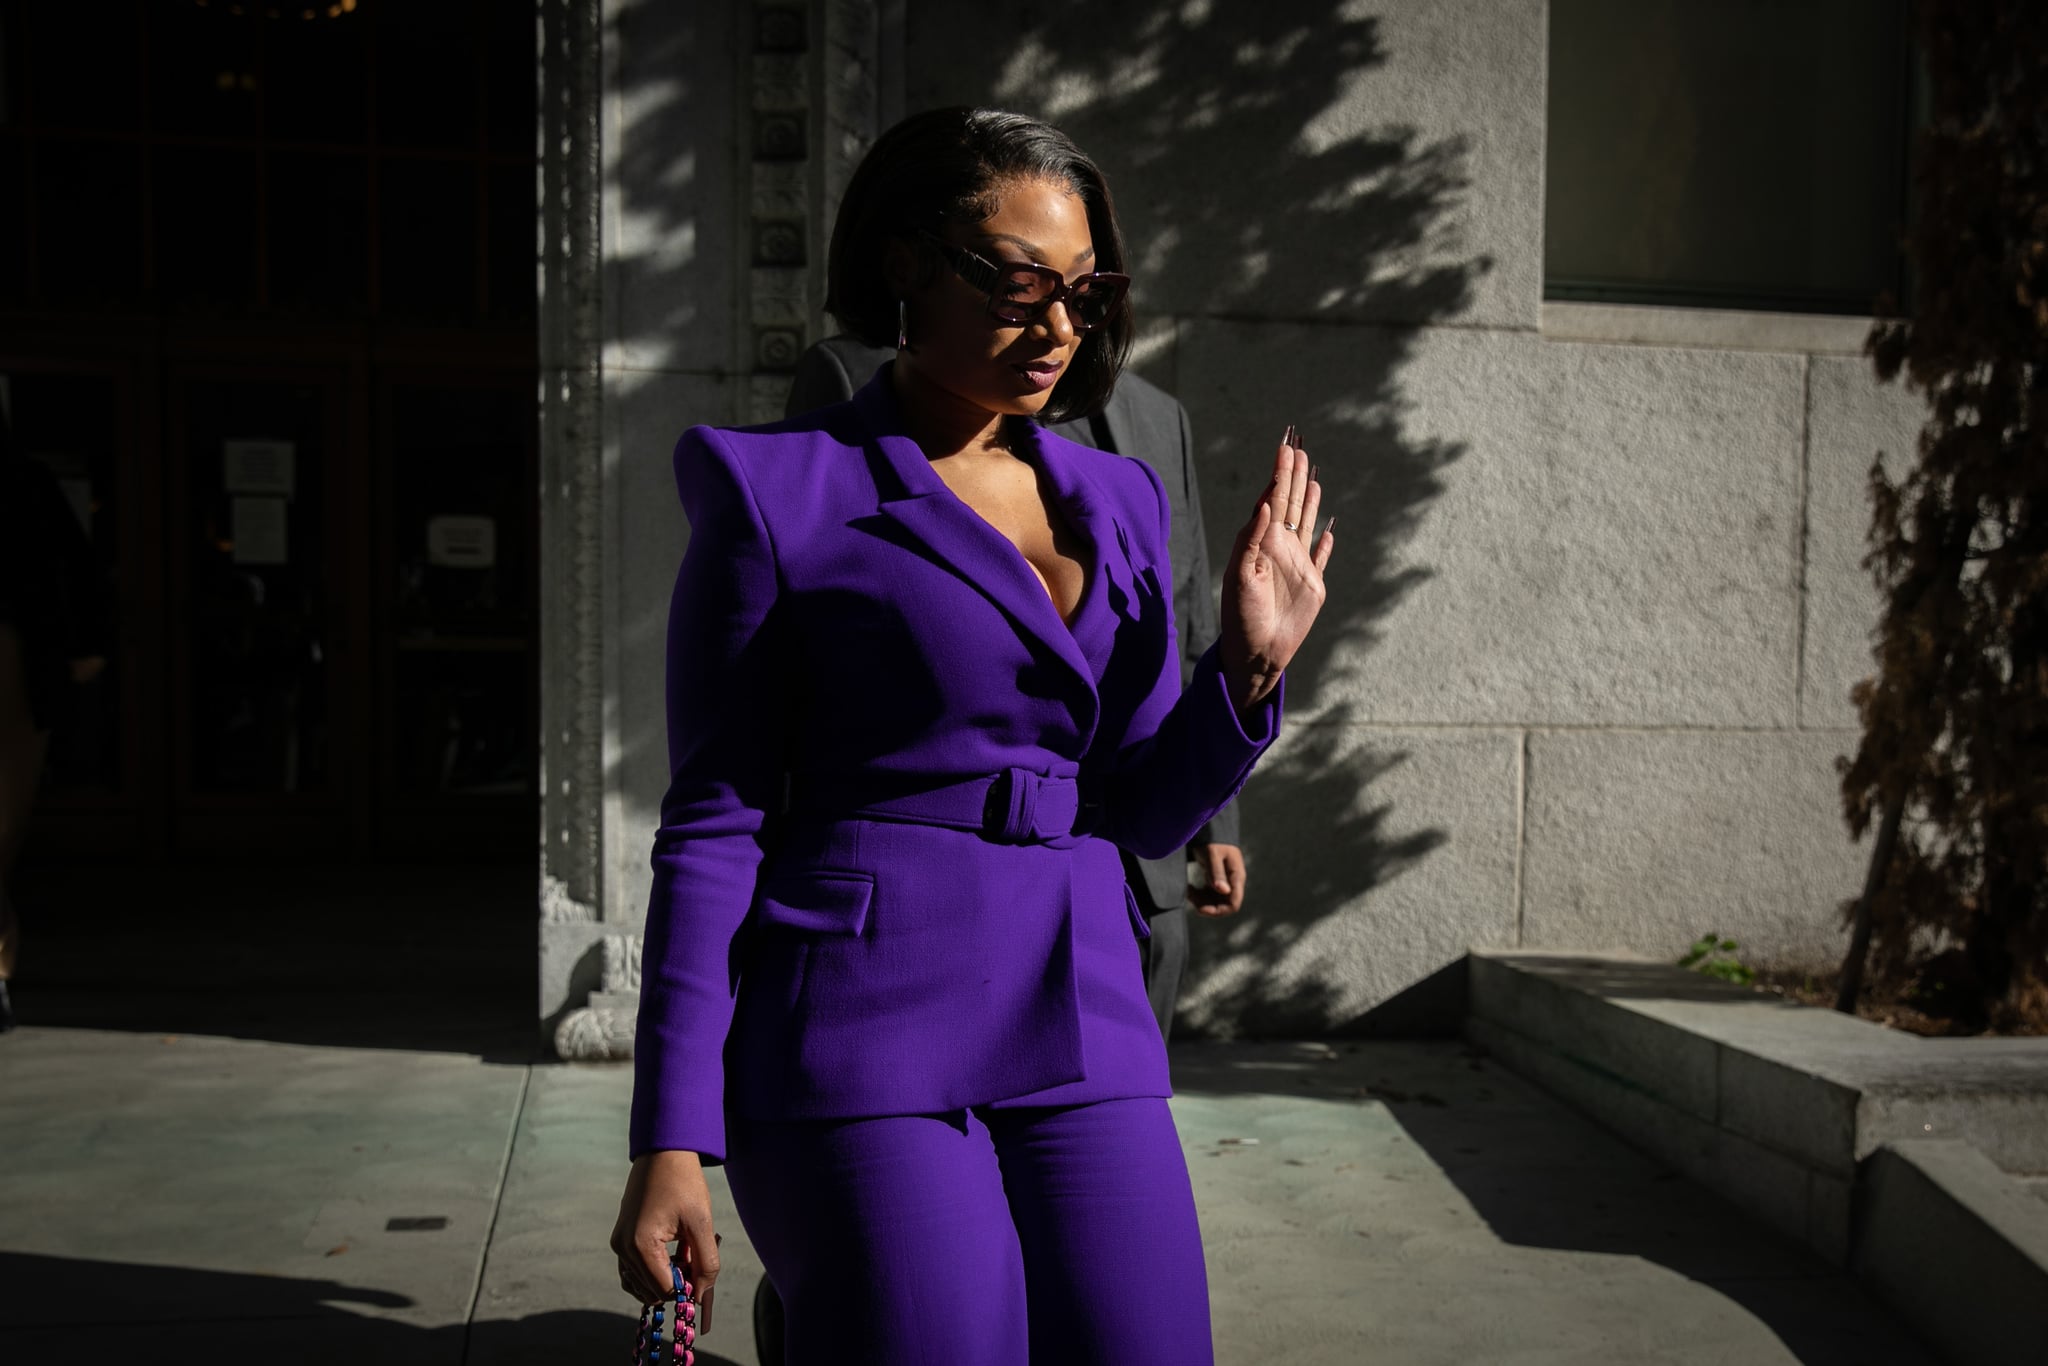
(1015, 806)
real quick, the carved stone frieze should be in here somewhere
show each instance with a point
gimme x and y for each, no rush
(780, 181)
(571, 440)
(621, 962)
(781, 190)
(595, 1034)
(559, 907)
(766, 394)
(779, 297)
(781, 83)
(603, 1030)
(851, 95)
(806, 109)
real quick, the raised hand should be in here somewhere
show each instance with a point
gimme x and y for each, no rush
(1273, 587)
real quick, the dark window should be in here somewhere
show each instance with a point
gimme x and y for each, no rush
(317, 86)
(338, 159)
(207, 228)
(88, 221)
(1743, 154)
(511, 75)
(427, 54)
(429, 222)
(205, 70)
(13, 230)
(513, 245)
(88, 68)
(319, 233)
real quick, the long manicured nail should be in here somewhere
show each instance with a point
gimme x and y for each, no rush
(1330, 527)
(1311, 474)
(1288, 439)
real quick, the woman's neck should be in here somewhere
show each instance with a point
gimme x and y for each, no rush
(941, 422)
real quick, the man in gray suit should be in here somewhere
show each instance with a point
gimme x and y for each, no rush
(1144, 421)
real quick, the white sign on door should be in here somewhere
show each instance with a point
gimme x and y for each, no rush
(259, 530)
(258, 467)
(462, 542)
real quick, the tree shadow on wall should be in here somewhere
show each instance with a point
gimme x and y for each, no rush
(1261, 203)
(1259, 209)
(673, 268)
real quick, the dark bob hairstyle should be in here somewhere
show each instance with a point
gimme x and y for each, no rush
(947, 166)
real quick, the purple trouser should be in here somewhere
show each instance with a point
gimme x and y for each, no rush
(987, 1237)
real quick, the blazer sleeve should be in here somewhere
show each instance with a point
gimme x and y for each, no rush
(1186, 752)
(725, 717)
(1194, 606)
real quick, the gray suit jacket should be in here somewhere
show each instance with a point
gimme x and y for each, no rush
(1140, 420)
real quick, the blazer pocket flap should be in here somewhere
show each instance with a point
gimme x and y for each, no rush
(1140, 926)
(820, 902)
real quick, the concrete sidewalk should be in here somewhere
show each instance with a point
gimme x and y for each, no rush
(244, 1200)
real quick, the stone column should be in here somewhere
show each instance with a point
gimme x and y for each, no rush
(572, 694)
(767, 148)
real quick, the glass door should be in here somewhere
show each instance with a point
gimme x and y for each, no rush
(78, 418)
(267, 676)
(458, 699)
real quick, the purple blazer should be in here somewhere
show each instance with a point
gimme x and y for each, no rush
(886, 880)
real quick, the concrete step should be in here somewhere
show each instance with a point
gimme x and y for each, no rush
(1916, 1162)
(1957, 1248)
(1823, 1088)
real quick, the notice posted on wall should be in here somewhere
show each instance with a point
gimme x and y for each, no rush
(462, 542)
(259, 531)
(268, 468)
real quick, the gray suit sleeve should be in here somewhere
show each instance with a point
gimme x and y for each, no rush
(1194, 606)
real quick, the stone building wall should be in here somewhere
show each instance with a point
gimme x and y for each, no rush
(1585, 668)
(1583, 676)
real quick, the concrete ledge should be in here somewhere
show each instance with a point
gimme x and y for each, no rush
(1822, 1088)
(1959, 1248)
(1880, 1150)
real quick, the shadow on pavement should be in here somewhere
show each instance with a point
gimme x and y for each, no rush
(431, 958)
(1541, 1176)
(60, 1311)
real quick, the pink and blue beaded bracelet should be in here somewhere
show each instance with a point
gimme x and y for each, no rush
(682, 1327)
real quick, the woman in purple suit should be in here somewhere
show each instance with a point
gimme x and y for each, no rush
(921, 686)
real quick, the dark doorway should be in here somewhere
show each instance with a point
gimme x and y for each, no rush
(267, 311)
(269, 316)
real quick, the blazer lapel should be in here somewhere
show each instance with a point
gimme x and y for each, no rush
(958, 538)
(1121, 421)
(1110, 593)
